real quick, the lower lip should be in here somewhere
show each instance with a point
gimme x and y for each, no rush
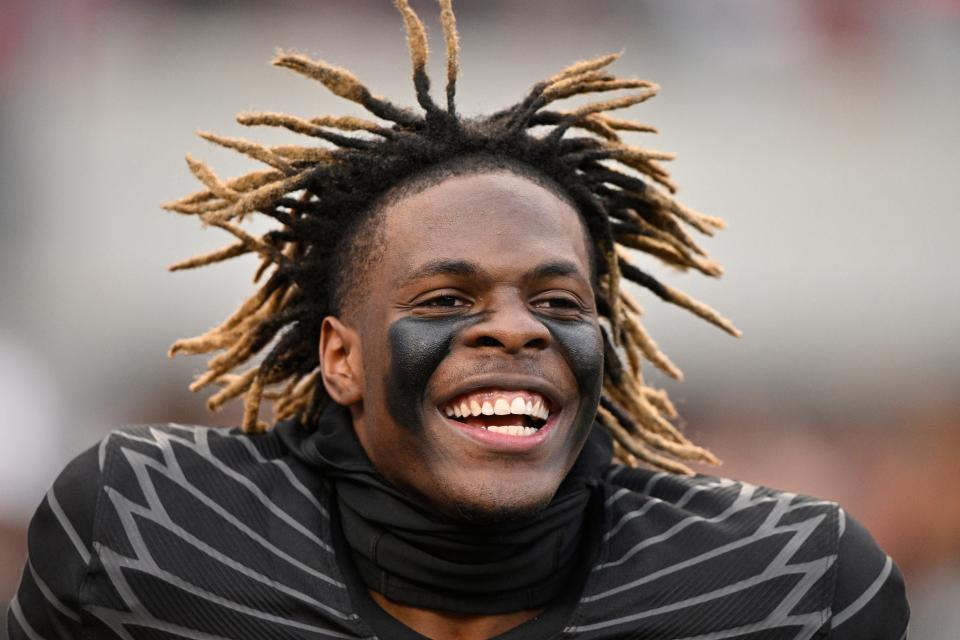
(502, 441)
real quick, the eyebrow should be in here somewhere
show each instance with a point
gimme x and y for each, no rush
(440, 267)
(555, 269)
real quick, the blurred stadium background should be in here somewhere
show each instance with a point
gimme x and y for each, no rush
(825, 131)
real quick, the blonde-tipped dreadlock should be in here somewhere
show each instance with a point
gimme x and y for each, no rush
(318, 194)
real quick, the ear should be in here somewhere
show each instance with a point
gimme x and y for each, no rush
(341, 364)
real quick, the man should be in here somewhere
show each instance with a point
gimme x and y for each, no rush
(453, 364)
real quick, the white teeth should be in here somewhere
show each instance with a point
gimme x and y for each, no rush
(539, 410)
(513, 430)
(501, 406)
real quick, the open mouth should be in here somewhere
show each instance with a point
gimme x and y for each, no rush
(514, 413)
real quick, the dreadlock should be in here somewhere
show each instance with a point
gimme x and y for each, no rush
(318, 194)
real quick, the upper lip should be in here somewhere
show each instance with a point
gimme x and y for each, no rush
(507, 382)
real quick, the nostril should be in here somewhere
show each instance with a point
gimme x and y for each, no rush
(537, 343)
(488, 341)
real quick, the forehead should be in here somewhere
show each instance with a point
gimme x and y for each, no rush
(498, 220)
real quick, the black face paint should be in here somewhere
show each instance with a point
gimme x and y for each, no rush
(418, 345)
(582, 347)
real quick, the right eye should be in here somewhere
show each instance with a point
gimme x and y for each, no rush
(445, 300)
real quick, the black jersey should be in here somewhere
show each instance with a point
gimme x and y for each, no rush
(186, 532)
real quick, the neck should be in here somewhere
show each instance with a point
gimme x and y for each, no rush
(449, 625)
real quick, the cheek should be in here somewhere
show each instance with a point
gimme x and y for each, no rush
(582, 347)
(417, 346)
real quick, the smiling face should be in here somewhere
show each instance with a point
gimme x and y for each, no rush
(474, 362)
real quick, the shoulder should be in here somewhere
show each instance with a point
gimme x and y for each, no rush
(165, 441)
(700, 551)
(718, 508)
(67, 519)
(60, 542)
(181, 469)
(59, 553)
(725, 521)
(190, 456)
(162, 513)
(870, 598)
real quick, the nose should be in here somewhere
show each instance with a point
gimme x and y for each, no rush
(508, 324)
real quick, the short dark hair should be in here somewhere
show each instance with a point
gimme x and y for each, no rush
(321, 196)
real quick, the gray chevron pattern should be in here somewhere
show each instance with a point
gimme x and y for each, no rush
(211, 535)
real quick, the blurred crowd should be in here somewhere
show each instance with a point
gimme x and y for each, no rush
(824, 131)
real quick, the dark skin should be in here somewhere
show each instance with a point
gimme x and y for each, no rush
(484, 282)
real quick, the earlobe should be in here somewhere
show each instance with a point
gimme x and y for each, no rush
(340, 363)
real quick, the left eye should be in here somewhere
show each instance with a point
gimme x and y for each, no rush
(556, 303)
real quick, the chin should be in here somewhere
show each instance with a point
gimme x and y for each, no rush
(497, 502)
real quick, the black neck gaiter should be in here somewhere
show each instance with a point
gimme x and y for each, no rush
(416, 556)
